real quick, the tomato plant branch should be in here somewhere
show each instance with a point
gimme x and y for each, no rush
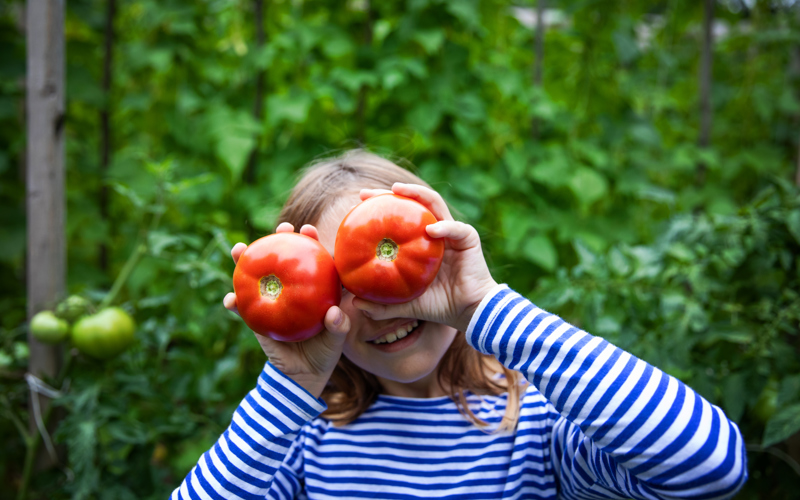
(776, 453)
(139, 250)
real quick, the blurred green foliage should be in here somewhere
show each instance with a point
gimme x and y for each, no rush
(600, 216)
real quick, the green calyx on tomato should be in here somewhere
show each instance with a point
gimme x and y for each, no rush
(73, 307)
(47, 328)
(104, 335)
(284, 284)
(383, 252)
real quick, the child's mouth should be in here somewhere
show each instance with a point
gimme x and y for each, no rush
(398, 340)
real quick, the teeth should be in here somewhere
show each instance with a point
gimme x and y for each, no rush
(400, 333)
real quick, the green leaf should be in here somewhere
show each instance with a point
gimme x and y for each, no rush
(352, 80)
(539, 250)
(424, 118)
(782, 425)
(291, 107)
(337, 46)
(381, 30)
(618, 262)
(467, 11)
(586, 257)
(431, 40)
(517, 162)
(553, 172)
(234, 132)
(793, 224)
(789, 390)
(733, 397)
(234, 151)
(588, 186)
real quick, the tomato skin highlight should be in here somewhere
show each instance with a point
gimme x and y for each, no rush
(300, 273)
(388, 222)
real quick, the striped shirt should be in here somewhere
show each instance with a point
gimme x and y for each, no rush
(596, 422)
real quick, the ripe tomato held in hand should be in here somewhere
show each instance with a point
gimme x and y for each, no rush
(382, 251)
(284, 285)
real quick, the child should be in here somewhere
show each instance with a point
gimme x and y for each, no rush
(426, 399)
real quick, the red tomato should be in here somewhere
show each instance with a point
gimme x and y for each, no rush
(284, 285)
(383, 252)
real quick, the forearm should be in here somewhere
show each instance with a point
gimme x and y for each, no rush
(654, 426)
(246, 457)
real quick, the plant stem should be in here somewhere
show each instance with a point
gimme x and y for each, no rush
(124, 274)
(31, 444)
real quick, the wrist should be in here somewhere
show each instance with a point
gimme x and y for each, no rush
(314, 384)
(463, 320)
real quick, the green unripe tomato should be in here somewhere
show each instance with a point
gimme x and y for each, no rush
(72, 308)
(105, 334)
(48, 328)
(767, 402)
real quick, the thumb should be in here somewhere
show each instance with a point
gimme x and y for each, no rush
(337, 323)
(376, 311)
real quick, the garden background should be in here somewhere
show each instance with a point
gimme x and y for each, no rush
(633, 169)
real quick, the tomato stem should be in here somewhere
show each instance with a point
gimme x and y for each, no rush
(387, 250)
(270, 286)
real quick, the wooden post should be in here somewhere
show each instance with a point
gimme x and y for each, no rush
(538, 62)
(46, 257)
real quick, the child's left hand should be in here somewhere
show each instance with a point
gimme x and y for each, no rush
(463, 280)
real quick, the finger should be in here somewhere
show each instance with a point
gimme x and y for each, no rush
(284, 227)
(462, 236)
(237, 251)
(230, 303)
(310, 231)
(432, 200)
(337, 322)
(376, 311)
(369, 193)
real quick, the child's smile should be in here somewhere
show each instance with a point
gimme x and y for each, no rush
(399, 339)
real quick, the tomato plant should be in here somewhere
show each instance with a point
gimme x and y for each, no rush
(48, 328)
(284, 284)
(383, 252)
(105, 334)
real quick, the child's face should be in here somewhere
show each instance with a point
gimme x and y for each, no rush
(407, 360)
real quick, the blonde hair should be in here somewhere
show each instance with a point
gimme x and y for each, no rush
(351, 390)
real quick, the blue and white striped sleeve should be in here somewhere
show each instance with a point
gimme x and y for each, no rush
(625, 429)
(249, 454)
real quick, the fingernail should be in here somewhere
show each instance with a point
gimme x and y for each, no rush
(339, 318)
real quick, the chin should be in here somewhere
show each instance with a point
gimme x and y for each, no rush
(408, 372)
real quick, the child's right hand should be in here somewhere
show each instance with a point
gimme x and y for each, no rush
(311, 362)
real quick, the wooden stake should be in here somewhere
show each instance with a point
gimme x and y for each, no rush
(46, 257)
